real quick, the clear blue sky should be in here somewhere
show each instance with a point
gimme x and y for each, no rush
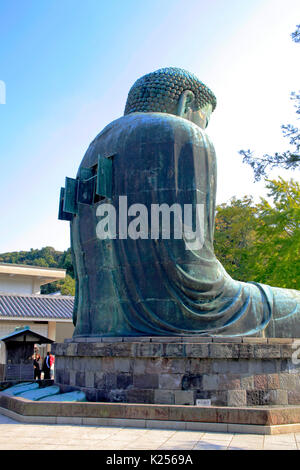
(68, 66)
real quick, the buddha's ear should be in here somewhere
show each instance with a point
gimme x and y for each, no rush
(185, 102)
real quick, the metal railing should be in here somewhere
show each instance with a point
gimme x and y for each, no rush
(16, 372)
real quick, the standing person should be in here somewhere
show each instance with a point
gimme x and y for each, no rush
(47, 367)
(36, 364)
(52, 361)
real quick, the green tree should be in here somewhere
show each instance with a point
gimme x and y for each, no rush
(277, 247)
(67, 286)
(65, 262)
(46, 257)
(296, 34)
(236, 226)
(261, 242)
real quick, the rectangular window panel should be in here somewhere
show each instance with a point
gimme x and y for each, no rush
(70, 199)
(62, 215)
(104, 177)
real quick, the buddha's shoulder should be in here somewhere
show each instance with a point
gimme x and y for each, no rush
(149, 126)
(136, 129)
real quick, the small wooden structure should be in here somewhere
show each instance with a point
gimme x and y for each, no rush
(17, 349)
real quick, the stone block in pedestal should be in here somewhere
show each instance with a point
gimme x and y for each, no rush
(241, 372)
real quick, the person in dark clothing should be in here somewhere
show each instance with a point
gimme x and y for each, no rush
(36, 364)
(46, 367)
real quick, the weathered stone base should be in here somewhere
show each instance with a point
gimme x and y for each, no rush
(234, 372)
(260, 420)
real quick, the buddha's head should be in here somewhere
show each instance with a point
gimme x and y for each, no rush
(174, 91)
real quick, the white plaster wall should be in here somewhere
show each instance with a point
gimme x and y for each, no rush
(2, 353)
(64, 330)
(18, 285)
(7, 326)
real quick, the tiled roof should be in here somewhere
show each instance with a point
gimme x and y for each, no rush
(39, 307)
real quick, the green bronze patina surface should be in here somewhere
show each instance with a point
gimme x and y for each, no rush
(159, 153)
(21, 388)
(39, 393)
(74, 396)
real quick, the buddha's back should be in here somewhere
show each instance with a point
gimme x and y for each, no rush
(136, 276)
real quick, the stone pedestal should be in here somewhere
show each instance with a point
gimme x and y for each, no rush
(233, 372)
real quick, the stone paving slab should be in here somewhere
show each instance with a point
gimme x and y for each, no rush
(16, 436)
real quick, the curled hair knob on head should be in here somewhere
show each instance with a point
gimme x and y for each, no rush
(160, 91)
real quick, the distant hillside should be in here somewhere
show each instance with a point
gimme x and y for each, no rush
(46, 257)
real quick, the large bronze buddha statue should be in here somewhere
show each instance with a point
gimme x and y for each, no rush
(158, 153)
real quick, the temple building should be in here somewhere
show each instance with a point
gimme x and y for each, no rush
(22, 304)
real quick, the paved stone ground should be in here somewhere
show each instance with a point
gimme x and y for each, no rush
(19, 436)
